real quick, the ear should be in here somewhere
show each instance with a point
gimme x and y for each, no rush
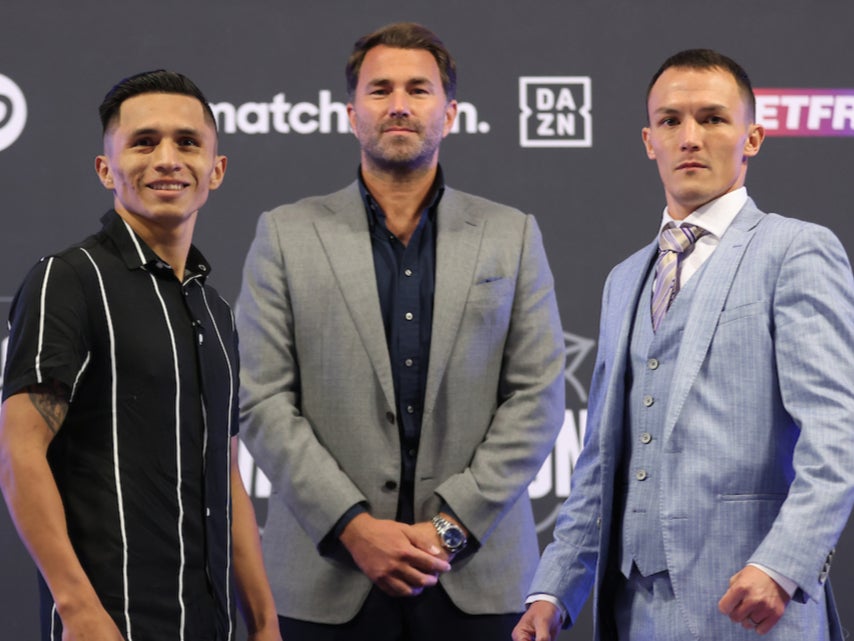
(645, 135)
(755, 136)
(217, 172)
(450, 117)
(351, 116)
(102, 168)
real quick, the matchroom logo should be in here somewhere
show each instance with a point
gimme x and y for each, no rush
(806, 112)
(13, 112)
(323, 116)
(555, 111)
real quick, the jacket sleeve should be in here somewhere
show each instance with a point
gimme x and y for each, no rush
(813, 319)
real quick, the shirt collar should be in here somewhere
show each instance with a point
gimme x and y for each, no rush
(375, 212)
(137, 255)
(715, 216)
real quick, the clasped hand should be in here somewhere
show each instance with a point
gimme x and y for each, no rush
(398, 558)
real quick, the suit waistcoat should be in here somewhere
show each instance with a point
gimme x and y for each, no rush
(650, 367)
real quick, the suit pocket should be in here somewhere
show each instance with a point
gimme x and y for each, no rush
(755, 511)
(489, 303)
(751, 515)
(761, 496)
(746, 310)
(490, 291)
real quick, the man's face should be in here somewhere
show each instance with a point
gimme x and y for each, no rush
(700, 135)
(399, 110)
(160, 159)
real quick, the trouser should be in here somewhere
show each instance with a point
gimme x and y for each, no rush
(426, 617)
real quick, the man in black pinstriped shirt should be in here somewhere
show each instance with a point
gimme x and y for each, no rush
(119, 419)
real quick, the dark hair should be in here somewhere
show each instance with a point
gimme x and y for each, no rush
(403, 35)
(709, 59)
(157, 81)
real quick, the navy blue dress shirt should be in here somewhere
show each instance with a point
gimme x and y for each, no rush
(405, 283)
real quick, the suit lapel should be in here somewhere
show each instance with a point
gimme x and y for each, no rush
(460, 229)
(346, 241)
(706, 309)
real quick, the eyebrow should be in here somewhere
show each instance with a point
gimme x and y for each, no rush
(147, 131)
(706, 108)
(416, 80)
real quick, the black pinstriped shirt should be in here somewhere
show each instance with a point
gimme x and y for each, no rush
(142, 458)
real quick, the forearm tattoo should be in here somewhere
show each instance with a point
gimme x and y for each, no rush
(51, 401)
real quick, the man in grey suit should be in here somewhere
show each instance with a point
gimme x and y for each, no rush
(718, 467)
(402, 377)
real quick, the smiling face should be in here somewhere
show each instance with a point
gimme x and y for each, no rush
(160, 160)
(399, 111)
(700, 134)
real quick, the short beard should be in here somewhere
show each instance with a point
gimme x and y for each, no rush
(404, 159)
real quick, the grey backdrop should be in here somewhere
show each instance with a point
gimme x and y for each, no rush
(64, 56)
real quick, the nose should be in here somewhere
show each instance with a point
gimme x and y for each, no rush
(399, 104)
(690, 135)
(166, 158)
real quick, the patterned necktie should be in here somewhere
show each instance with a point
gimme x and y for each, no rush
(674, 244)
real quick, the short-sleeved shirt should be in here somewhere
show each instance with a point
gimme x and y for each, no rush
(142, 460)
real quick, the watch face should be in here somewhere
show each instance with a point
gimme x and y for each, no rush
(453, 538)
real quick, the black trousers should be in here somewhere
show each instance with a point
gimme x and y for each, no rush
(430, 616)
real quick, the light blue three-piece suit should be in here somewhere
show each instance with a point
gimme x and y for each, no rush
(756, 462)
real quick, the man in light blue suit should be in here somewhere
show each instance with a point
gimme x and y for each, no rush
(718, 467)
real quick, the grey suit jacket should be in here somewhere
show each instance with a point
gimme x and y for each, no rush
(758, 454)
(317, 399)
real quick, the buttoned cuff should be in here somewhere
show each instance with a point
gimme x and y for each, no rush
(539, 596)
(349, 515)
(330, 544)
(783, 581)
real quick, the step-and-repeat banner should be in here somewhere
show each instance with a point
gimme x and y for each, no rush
(551, 107)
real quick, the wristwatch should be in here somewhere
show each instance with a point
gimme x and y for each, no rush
(453, 539)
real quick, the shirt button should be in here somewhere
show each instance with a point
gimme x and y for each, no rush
(408, 362)
(407, 272)
(207, 511)
(389, 417)
(409, 316)
(390, 485)
(652, 363)
(410, 409)
(648, 401)
(645, 438)
(641, 475)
